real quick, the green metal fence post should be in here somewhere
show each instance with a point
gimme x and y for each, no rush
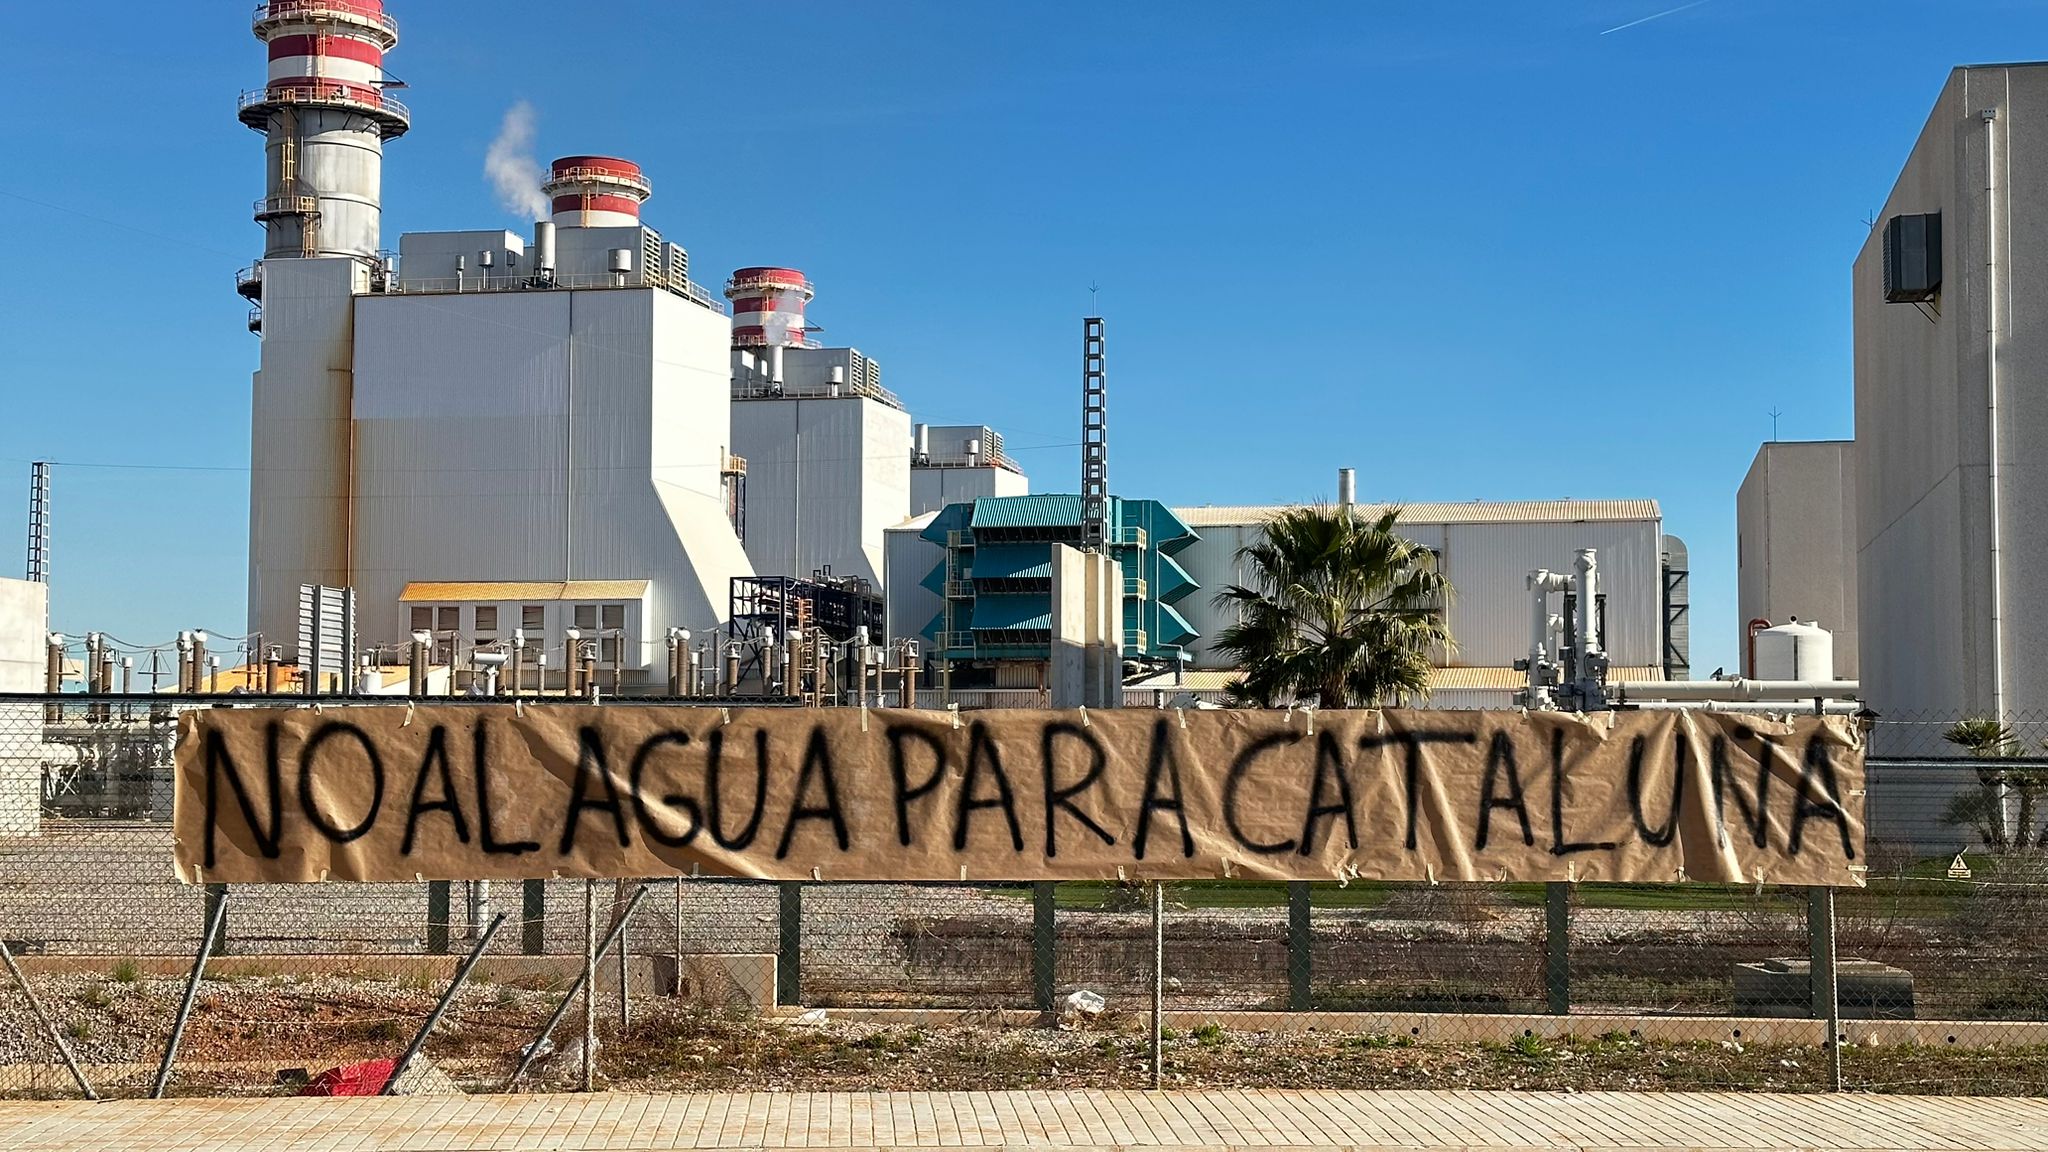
(789, 947)
(533, 913)
(215, 895)
(1042, 946)
(1557, 947)
(1823, 977)
(437, 916)
(1299, 937)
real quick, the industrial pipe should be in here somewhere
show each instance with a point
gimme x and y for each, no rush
(1734, 689)
(1541, 583)
(1749, 631)
(1588, 566)
(1347, 488)
(416, 664)
(1752, 707)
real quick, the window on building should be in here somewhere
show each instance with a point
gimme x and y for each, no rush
(614, 616)
(448, 618)
(533, 618)
(422, 618)
(586, 616)
(608, 649)
(487, 618)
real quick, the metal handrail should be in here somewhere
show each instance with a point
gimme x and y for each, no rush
(277, 10)
(287, 206)
(754, 389)
(586, 173)
(348, 94)
(451, 285)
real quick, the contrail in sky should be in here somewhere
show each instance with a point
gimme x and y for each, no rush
(1656, 16)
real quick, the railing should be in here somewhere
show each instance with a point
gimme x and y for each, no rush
(348, 10)
(450, 285)
(270, 206)
(587, 174)
(960, 589)
(963, 538)
(347, 95)
(757, 389)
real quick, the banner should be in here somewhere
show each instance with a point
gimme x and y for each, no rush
(456, 792)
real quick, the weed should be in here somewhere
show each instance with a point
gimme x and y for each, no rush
(95, 996)
(1374, 1041)
(1209, 1035)
(1529, 1046)
(126, 972)
(78, 1030)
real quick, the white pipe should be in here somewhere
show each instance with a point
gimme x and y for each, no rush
(1736, 689)
(1541, 583)
(1588, 566)
(1776, 708)
(1347, 488)
(1990, 116)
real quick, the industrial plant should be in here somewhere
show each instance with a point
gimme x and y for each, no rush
(552, 460)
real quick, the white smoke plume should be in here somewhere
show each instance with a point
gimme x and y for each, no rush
(512, 168)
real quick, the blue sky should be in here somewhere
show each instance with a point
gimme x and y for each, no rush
(1476, 250)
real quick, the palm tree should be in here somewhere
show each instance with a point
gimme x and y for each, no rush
(1336, 607)
(1985, 810)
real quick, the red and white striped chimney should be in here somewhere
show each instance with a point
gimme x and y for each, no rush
(768, 307)
(596, 192)
(325, 117)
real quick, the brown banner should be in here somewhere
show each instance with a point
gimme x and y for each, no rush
(489, 792)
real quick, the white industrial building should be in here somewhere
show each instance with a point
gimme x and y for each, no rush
(1795, 544)
(957, 463)
(826, 447)
(561, 437)
(24, 653)
(1952, 503)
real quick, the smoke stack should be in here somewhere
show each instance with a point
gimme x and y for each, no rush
(544, 247)
(596, 192)
(768, 307)
(1347, 488)
(325, 117)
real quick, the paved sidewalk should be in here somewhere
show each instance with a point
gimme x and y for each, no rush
(1615, 1120)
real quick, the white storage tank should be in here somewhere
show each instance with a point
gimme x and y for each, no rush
(1795, 651)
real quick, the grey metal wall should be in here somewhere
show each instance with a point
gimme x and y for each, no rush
(910, 558)
(1487, 565)
(565, 435)
(825, 478)
(299, 438)
(933, 488)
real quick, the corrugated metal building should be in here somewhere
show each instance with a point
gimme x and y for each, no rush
(1487, 550)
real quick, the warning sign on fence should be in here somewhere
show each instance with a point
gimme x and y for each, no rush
(487, 792)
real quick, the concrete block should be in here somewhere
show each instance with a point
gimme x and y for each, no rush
(1782, 987)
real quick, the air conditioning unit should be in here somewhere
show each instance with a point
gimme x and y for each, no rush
(1912, 258)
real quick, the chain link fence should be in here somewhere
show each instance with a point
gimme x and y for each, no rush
(1939, 967)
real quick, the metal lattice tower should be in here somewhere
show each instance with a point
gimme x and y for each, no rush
(39, 522)
(1094, 438)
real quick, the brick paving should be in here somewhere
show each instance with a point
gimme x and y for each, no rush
(1216, 1119)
